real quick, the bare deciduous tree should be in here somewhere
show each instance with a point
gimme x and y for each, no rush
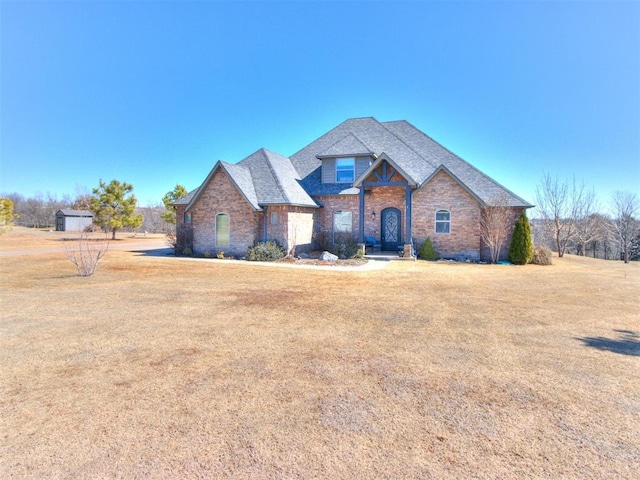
(625, 226)
(496, 220)
(86, 253)
(560, 205)
(587, 223)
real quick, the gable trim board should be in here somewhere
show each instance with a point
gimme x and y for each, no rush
(395, 166)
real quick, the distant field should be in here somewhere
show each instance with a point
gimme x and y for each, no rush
(162, 367)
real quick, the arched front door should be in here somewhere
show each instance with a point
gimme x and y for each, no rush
(390, 228)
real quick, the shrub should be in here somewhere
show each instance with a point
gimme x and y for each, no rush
(345, 246)
(521, 248)
(541, 255)
(86, 254)
(265, 252)
(427, 252)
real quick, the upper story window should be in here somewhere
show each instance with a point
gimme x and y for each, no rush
(443, 221)
(345, 170)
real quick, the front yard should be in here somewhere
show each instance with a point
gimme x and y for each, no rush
(182, 368)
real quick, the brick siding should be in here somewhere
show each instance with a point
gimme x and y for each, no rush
(222, 196)
(308, 228)
(444, 193)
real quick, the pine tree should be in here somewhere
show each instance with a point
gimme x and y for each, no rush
(521, 248)
(177, 193)
(112, 208)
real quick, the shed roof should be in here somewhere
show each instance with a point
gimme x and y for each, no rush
(75, 213)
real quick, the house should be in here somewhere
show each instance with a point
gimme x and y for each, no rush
(73, 220)
(383, 181)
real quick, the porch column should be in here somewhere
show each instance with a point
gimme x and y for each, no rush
(408, 202)
(361, 216)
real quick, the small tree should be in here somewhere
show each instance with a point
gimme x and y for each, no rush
(114, 206)
(625, 227)
(561, 205)
(494, 226)
(521, 249)
(6, 214)
(85, 254)
(169, 199)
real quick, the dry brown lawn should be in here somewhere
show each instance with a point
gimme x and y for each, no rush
(180, 368)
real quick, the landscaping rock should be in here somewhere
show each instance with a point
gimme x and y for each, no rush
(328, 257)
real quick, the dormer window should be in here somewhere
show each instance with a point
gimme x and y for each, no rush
(345, 170)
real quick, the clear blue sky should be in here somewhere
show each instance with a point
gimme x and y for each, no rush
(153, 93)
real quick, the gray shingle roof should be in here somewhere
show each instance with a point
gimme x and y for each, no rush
(415, 153)
(484, 187)
(187, 198)
(267, 178)
(350, 145)
(276, 181)
(264, 178)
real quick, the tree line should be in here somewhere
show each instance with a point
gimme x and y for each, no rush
(570, 219)
(113, 205)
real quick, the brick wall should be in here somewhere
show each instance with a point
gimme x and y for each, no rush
(444, 193)
(294, 227)
(324, 217)
(222, 196)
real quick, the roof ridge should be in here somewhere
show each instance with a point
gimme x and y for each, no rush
(405, 143)
(465, 161)
(273, 171)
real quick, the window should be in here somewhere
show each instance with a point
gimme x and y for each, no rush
(222, 230)
(187, 217)
(345, 170)
(342, 225)
(443, 221)
(273, 218)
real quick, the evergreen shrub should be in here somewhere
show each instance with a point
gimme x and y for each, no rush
(427, 252)
(521, 248)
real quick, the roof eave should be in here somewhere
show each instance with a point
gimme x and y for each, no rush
(442, 168)
(383, 156)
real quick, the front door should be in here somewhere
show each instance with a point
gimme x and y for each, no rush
(390, 229)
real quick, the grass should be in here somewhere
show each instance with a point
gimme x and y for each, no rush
(182, 368)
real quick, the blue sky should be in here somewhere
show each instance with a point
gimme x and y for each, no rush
(153, 93)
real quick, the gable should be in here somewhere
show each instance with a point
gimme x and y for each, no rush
(239, 177)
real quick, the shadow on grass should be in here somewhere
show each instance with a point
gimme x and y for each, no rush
(155, 252)
(627, 343)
